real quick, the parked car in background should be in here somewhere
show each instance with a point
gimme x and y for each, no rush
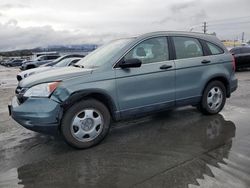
(123, 79)
(54, 62)
(41, 60)
(3, 62)
(14, 63)
(242, 56)
(63, 63)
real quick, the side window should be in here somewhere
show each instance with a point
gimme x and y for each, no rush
(245, 50)
(50, 57)
(235, 51)
(214, 49)
(150, 51)
(186, 47)
(74, 61)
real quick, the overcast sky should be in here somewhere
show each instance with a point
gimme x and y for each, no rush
(34, 23)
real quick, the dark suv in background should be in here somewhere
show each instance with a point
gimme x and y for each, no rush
(242, 56)
(41, 60)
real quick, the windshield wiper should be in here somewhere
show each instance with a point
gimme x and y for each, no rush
(79, 66)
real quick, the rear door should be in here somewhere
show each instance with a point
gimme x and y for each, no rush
(150, 87)
(189, 64)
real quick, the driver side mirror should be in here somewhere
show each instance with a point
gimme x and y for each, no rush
(131, 63)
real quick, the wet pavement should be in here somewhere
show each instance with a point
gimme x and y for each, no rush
(179, 148)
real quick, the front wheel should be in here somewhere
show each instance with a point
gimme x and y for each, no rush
(213, 98)
(85, 124)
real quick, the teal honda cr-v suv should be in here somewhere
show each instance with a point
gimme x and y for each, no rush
(126, 78)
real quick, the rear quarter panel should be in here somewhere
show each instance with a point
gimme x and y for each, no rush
(220, 66)
(192, 76)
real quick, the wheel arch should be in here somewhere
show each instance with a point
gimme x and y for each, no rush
(99, 95)
(222, 79)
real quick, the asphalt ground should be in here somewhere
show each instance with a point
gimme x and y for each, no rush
(179, 148)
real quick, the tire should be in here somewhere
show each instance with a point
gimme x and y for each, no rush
(85, 124)
(213, 98)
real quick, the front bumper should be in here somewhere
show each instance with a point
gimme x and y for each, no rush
(37, 114)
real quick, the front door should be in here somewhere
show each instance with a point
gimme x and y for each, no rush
(150, 87)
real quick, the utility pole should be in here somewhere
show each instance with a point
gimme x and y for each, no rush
(242, 37)
(204, 26)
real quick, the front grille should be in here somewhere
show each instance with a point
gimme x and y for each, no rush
(19, 94)
(19, 78)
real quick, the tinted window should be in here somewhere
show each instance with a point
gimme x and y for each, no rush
(235, 51)
(51, 57)
(245, 50)
(18, 60)
(186, 47)
(74, 61)
(214, 49)
(150, 51)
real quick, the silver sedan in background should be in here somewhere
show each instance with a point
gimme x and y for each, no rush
(64, 63)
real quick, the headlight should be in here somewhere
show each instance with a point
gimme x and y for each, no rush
(41, 90)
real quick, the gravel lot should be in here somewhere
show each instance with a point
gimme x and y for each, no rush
(180, 148)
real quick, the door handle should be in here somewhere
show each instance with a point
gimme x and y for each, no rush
(206, 61)
(165, 66)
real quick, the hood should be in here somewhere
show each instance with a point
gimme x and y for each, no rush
(33, 71)
(56, 74)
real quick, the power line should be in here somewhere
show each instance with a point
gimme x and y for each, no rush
(218, 24)
(228, 19)
(231, 26)
(231, 20)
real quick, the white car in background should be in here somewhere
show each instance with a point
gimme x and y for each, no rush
(63, 63)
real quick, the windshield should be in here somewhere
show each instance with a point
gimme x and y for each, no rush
(67, 62)
(63, 63)
(58, 59)
(39, 58)
(103, 54)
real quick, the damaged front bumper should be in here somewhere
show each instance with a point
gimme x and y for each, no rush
(37, 114)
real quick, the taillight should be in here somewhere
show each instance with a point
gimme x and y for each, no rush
(234, 63)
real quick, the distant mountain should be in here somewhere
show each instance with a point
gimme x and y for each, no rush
(82, 47)
(57, 48)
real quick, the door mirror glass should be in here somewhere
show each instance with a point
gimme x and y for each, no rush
(131, 63)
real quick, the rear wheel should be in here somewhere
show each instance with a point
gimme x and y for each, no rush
(213, 99)
(85, 124)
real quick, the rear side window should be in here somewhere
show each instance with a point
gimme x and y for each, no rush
(187, 47)
(51, 57)
(214, 49)
(245, 50)
(235, 51)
